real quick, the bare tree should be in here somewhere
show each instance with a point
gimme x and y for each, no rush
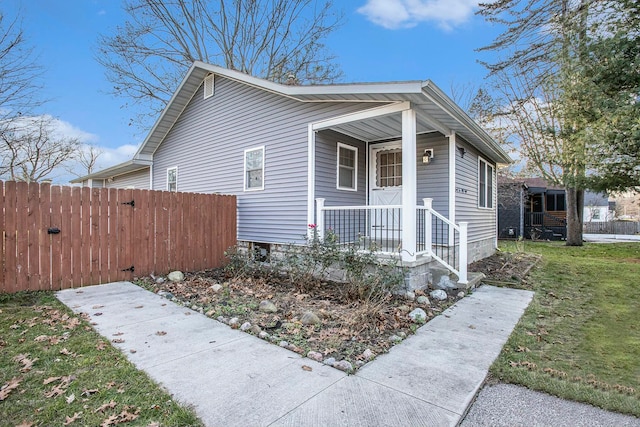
(272, 39)
(31, 150)
(85, 161)
(19, 71)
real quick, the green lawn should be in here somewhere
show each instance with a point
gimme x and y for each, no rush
(56, 370)
(580, 337)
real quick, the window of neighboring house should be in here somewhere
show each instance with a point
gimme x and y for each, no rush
(347, 167)
(485, 184)
(254, 169)
(595, 213)
(555, 202)
(172, 179)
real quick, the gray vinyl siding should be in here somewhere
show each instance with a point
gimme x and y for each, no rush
(138, 179)
(326, 170)
(207, 144)
(433, 178)
(482, 221)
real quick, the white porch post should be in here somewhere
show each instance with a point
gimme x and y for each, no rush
(319, 218)
(428, 203)
(462, 278)
(409, 185)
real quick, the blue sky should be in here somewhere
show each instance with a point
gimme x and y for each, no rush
(381, 40)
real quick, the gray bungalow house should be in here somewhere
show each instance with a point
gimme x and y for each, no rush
(396, 167)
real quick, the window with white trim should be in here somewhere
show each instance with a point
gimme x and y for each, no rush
(254, 169)
(172, 179)
(347, 167)
(485, 184)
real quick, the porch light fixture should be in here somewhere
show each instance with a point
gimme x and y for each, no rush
(461, 150)
(427, 156)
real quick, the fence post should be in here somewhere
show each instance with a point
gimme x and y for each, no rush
(319, 219)
(462, 279)
(428, 239)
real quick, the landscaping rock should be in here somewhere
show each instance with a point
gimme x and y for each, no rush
(395, 338)
(402, 334)
(160, 280)
(343, 365)
(210, 313)
(234, 322)
(367, 355)
(255, 329)
(264, 335)
(223, 319)
(445, 282)
(360, 363)
(310, 318)
(245, 326)
(423, 300)
(216, 288)
(404, 308)
(165, 294)
(438, 294)
(267, 307)
(283, 344)
(176, 276)
(461, 294)
(410, 295)
(314, 355)
(329, 361)
(418, 315)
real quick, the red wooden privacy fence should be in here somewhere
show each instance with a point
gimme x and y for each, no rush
(56, 237)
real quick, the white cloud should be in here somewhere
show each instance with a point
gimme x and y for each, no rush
(393, 14)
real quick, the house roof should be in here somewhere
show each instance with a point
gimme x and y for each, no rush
(120, 169)
(436, 110)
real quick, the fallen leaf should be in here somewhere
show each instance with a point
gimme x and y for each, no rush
(50, 380)
(8, 387)
(132, 351)
(161, 333)
(125, 416)
(27, 363)
(25, 424)
(70, 399)
(307, 368)
(104, 406)
(187, 314)
(69, 420)
(95, 307)
(67, 352)
(117, 334)
(97, 314)
(41, 338)
(117, 341)
(88, 393)
(111, 421)
(72, 323)
(139, 306)
(101, 345)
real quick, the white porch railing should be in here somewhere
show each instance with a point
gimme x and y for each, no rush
(378, 228)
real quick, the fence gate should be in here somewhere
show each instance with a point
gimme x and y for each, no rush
(56, 237)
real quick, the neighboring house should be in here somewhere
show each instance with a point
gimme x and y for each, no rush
(531, 207)
(359, 159)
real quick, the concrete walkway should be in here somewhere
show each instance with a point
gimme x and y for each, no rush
(234, 379)
(611, 238)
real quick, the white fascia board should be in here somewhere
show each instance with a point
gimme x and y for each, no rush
(384, 110)
(119, 169)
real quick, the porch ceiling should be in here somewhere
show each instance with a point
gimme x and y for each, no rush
(381, 128)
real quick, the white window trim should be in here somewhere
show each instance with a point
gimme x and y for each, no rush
(209, 86)
(167, 183)
(355, 167)
(488, 191)
(244, 167)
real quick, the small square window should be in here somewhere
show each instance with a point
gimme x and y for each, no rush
(254, 169)
(347, 167)
(172, 179)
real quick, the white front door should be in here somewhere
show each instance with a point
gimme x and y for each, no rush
(386, 189)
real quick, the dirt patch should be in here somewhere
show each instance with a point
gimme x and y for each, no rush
(506, 268)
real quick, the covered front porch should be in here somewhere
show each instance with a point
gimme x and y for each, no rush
(386, 160)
